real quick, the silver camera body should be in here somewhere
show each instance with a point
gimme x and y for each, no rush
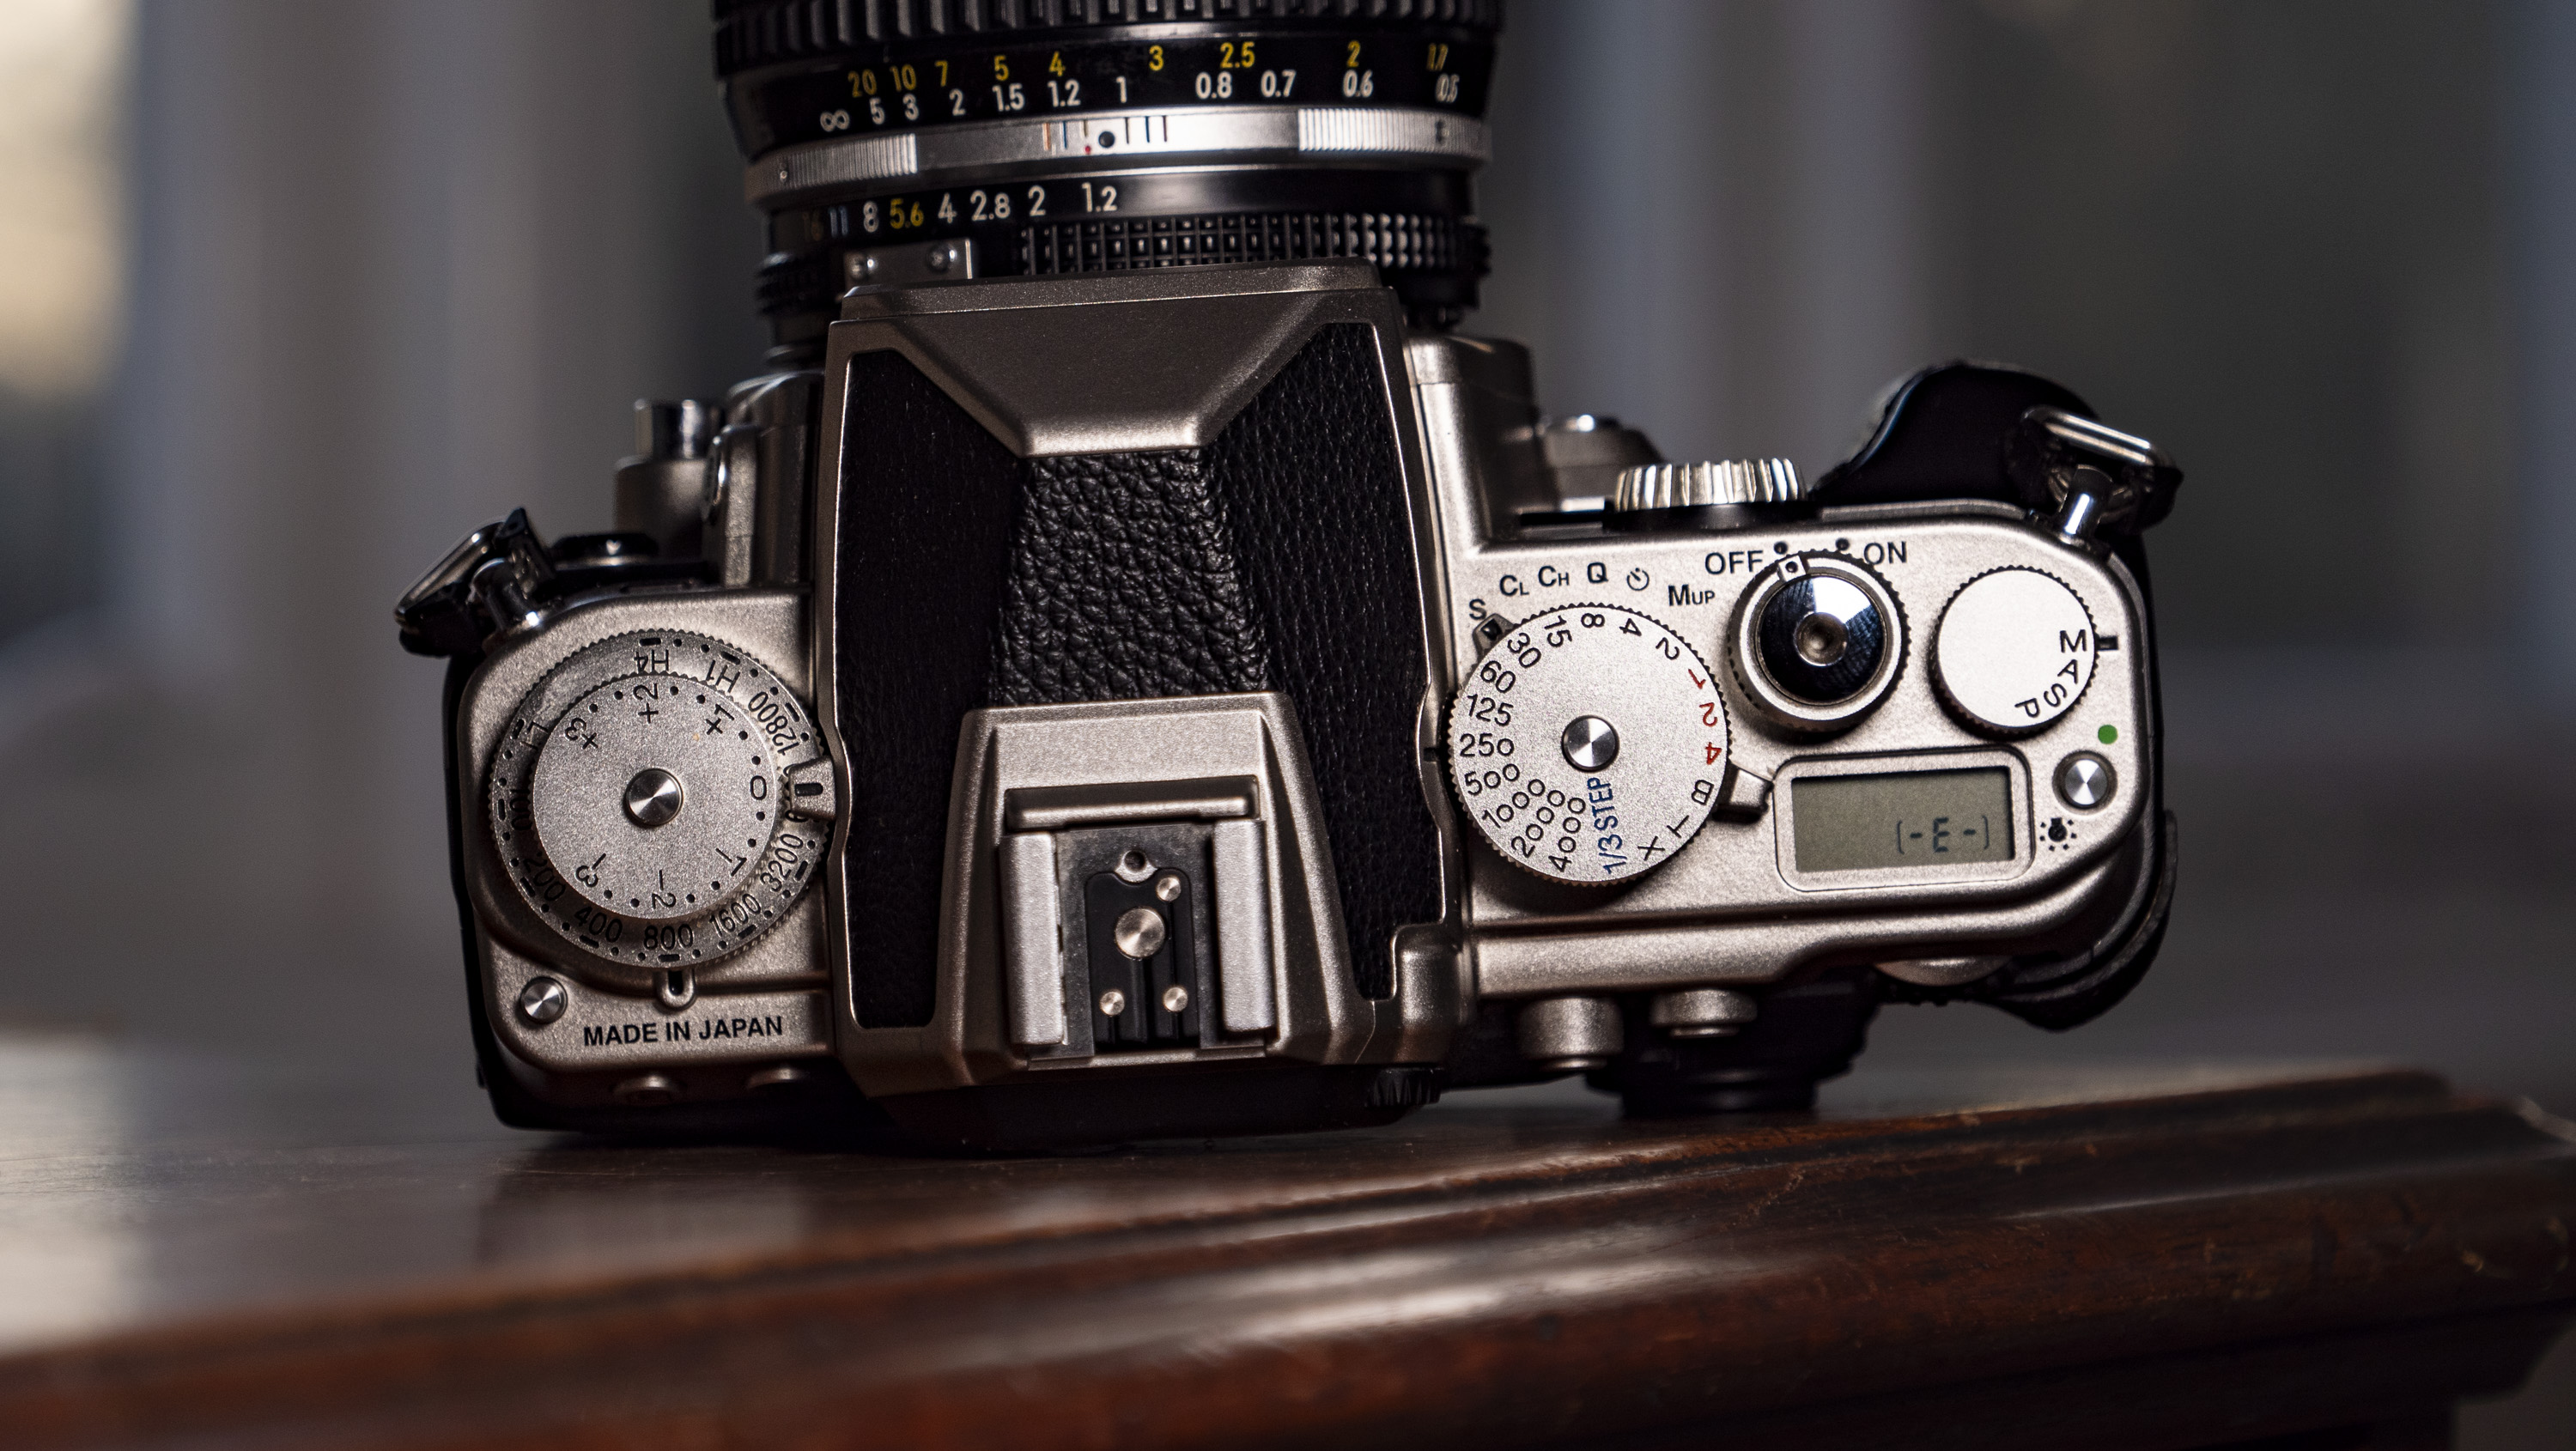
(1197, 811)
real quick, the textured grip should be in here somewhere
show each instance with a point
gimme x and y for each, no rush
(1280, 557)
(929, 502)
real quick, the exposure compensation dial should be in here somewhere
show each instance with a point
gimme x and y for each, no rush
(642, 800)
(1589, 744)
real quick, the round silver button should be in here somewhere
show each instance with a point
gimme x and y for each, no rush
(1139, 932)
(1589, 743)
(543, 1000)
(653, 797)
(2085, 780)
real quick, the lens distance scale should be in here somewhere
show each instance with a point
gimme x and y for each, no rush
(1065, 79)
(1588, 745)
(638, 796)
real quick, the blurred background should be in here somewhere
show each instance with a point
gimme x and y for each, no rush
(292, 294)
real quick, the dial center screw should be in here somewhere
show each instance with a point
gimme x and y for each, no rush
(1139, 933)
(1589, 742)
(1821, 639)
(653, 797)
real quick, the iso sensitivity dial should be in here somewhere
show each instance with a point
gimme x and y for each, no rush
(639, 800)
(1588, 745)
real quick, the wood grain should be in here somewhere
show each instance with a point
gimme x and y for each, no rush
(2158, 1260)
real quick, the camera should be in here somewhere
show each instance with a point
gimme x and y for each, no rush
(1134, 669)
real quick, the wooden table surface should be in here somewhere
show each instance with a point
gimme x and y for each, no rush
(195, 1252)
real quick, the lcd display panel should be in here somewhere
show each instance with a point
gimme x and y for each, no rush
(1922, 819)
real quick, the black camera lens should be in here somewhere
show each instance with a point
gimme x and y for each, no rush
(907, 141)
(1821, 639)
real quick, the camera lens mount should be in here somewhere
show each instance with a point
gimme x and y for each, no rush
(905, 141)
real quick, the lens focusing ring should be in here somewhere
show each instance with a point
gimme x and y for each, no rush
(936, 85)
(1076, 136)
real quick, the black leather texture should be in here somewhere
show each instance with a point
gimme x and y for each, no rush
(929, 502)
(1315, 497)
(1280, 557)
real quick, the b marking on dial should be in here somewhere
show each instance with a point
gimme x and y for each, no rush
(1588, 745)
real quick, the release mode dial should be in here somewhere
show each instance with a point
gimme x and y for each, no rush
(637, 800)
(1589, 744)
(2014, 651)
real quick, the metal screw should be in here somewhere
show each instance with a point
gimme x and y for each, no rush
(543, 1000)
(1112, 1003)
(1589, 743)
(1175, 998)
(1169, 888)
(941, 258)
(653, 797)
(1139, 932)
(1821, 639)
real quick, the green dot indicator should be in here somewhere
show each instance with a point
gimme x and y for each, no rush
(2108, 734)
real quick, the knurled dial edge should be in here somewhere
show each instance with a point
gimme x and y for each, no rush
(1784, 711)
(1996, 704)
(1540, 696)
(615, 719)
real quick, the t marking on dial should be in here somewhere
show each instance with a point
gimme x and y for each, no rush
(1588, 745)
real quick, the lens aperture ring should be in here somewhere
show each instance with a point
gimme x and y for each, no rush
(1112, 244)
(1432, 261)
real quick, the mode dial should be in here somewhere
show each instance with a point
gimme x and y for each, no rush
(1589, 744)
(2014, 651)
(638, 800)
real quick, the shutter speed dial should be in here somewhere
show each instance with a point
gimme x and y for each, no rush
(636, 800)
(1588, 745)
